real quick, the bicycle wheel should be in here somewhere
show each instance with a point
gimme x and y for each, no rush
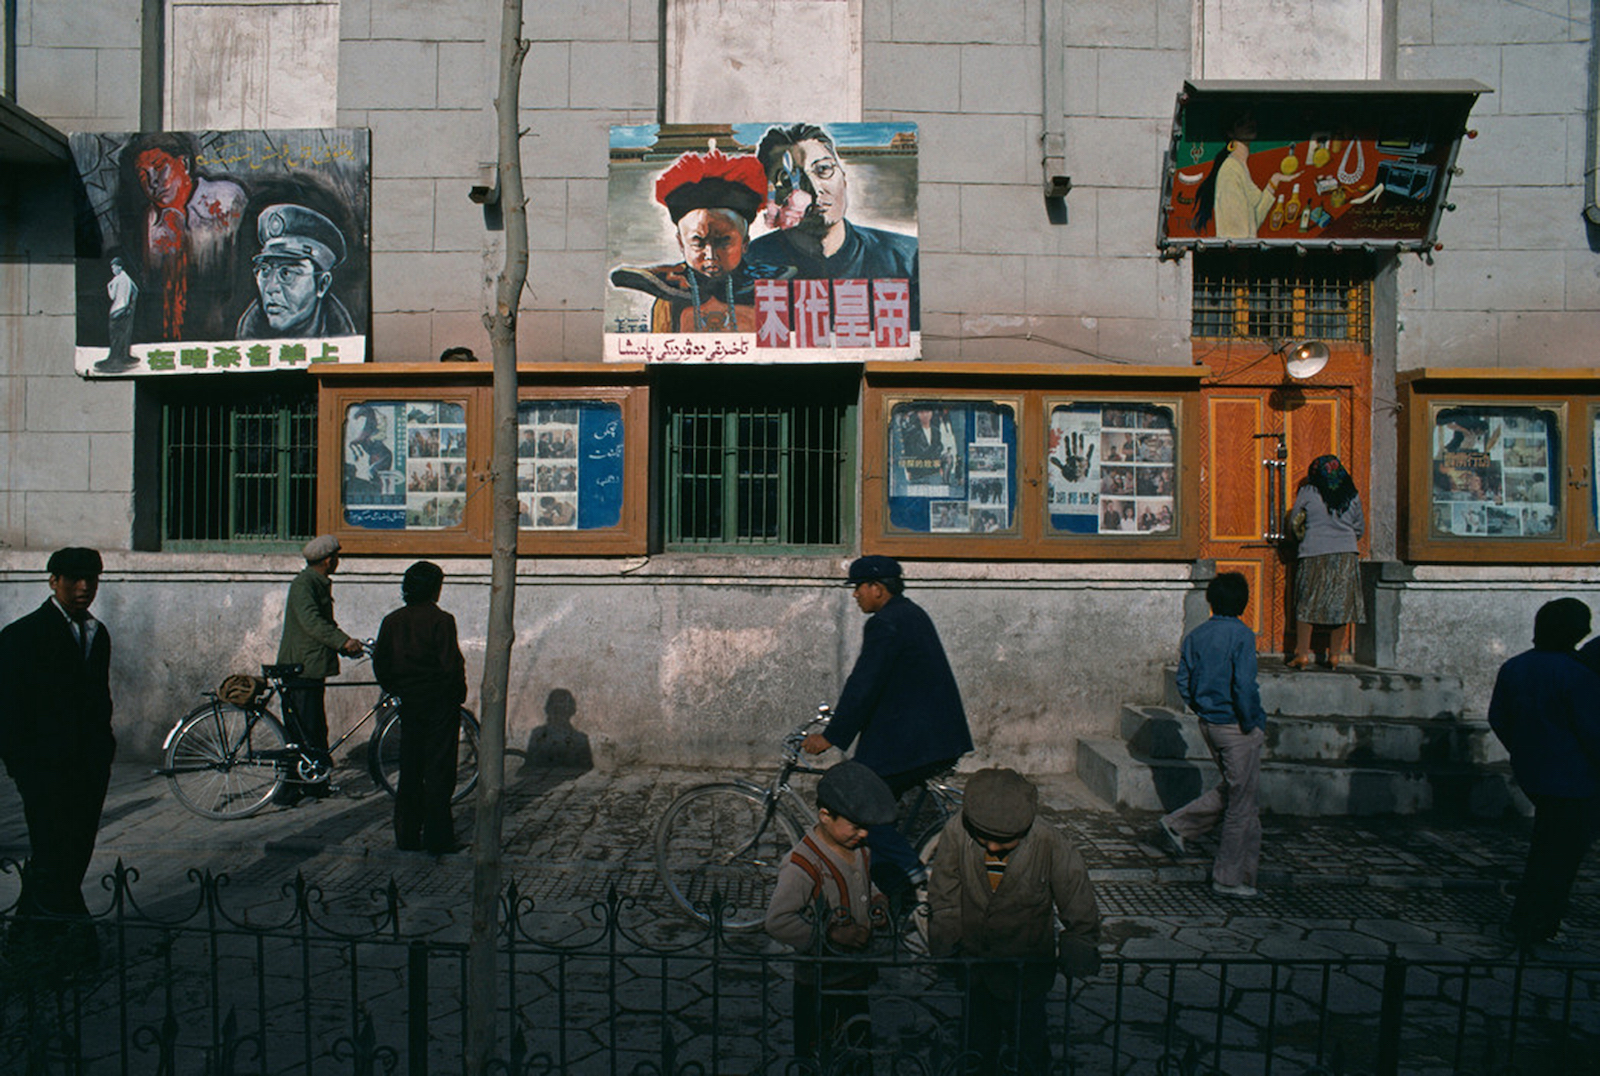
(383, 753)
(224, 762)
(916, 941)
(723, 840)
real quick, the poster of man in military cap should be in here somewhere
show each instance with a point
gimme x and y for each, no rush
(247, 250)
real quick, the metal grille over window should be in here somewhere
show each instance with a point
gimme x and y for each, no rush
(237, 471)
(768, 476)
(1237, 306)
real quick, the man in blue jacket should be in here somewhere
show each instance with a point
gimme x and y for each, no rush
(1217, 680)
(1546, 710)
(902, 701)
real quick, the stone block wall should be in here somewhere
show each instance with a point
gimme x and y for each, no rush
(1518, 280)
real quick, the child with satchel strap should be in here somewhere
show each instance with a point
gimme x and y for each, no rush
(825, 903)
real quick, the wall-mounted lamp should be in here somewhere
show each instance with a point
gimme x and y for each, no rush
(1302, 360)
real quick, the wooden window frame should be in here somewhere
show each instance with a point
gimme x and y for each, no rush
(1574, 395)
(1034, 390)
(470, 384)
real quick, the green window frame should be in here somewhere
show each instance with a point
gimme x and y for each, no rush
(239, 470)
(742, 472)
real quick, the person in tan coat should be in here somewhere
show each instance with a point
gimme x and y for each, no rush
(1000, 880)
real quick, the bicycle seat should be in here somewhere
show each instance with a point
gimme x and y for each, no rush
(281, 672)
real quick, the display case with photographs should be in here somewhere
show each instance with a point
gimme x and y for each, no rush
(1490, 467)
(412, 447)
(1493, 470)
(404, 464)
(1113, 469)
(952, 466)
(569, 464)
(1036, 470)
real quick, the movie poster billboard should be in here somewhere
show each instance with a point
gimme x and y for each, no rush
(1343, 167)
(221, 251)
(762, 242)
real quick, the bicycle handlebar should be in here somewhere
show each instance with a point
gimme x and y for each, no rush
(796, 737)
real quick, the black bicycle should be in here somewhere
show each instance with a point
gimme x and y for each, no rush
(727, 839)
(228, 761)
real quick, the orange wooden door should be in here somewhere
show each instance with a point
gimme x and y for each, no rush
(1243, 421)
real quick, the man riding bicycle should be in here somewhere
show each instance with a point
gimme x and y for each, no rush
(901, 699)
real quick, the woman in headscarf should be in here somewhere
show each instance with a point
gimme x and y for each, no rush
(1327, 581)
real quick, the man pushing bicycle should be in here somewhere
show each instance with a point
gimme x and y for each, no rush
(901, 699)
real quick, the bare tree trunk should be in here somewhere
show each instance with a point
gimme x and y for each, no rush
(482, 995)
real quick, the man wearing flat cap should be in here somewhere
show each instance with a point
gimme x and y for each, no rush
(299, 250)
(901, 699)
(313, 640)
(55, 738)
(1001, 879)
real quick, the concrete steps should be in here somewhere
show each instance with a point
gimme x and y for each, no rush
(1358, 741)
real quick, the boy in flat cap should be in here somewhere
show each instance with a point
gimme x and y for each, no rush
(55, 738)
(1000, 879)
(825, 903)
(712, 200)
(901, 699)
(313, 640)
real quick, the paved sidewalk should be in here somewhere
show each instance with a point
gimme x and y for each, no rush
(1433, 887)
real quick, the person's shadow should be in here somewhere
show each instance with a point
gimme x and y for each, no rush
(556, 745)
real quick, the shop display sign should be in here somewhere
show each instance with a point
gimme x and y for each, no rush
(1351, 166)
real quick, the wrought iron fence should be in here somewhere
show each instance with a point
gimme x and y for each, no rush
(208, 983)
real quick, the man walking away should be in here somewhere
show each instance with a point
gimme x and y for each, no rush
(418, 658)
(1546, 710)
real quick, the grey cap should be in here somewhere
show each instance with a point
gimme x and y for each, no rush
(321, 547)
(1000, 802)
(294, 231)
(855, 792)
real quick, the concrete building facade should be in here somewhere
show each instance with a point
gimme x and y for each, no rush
(709, 658)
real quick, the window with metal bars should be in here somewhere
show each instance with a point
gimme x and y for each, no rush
(758, 460)
(239, 467)
(1270, 295)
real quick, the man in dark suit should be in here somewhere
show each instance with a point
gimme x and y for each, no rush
(56, 741)
(902, 700)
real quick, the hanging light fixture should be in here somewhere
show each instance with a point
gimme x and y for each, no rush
(1303, 360)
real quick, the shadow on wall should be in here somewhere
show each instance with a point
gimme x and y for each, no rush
(556, 744)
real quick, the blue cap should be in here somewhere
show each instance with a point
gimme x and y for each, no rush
(873, 569)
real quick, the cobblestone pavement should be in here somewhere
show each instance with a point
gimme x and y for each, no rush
(1434, 887)
(1430, 890)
